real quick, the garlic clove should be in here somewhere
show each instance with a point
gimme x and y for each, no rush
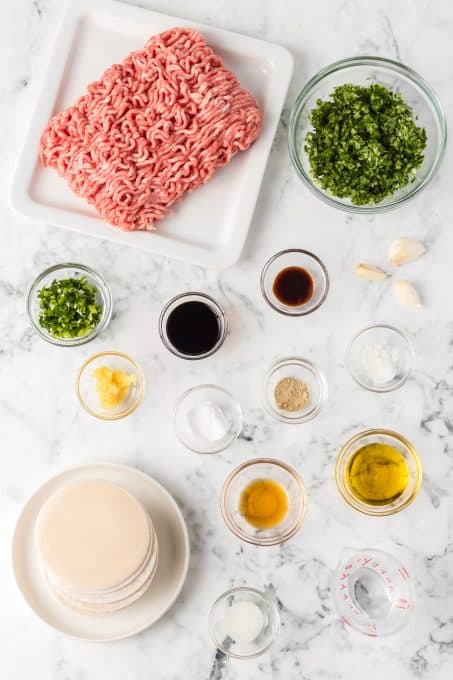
(407, 293)
(367, 272)
(405, 250)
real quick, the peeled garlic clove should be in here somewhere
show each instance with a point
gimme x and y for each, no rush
(407, 293)
(405, 250)
(368, 272)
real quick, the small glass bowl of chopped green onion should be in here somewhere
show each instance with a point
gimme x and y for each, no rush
(366, 134)
(69, 304)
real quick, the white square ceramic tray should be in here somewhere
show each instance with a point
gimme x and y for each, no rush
(207, 227)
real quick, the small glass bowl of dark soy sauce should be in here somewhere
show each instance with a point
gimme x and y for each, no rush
(193, 325)
(294, 282)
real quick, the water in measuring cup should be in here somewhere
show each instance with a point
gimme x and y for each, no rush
(372, 592)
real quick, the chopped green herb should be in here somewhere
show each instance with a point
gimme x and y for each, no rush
(68, 308)
(364, 144)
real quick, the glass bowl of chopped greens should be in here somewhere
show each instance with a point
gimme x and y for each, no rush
(69, 304)
(366, 134)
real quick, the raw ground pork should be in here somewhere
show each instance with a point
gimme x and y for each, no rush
(150, 129)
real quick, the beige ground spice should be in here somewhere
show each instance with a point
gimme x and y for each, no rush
(291, 394)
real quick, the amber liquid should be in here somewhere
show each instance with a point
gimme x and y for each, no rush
(263, 503)
(293, 286)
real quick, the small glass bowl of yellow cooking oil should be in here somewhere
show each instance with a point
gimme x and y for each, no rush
(378, 472)
(263, 501)
(110, 385)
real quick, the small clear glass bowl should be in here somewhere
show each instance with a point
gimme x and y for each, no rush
(263, 468)
(364, 71)
(396, 346)
(295, 257)
(301, 369)
(192, 297)
(221, 622)
(86, 385)
(391, 438)
(70, 270)
(190, 433)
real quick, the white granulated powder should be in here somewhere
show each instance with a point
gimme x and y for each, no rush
(380, 364)
(208, 421)
(244, 621)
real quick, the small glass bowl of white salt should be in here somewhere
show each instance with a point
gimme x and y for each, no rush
(244, 623)
(380, 358)
(207, 419)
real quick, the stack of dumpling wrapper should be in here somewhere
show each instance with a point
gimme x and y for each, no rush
(97, 546)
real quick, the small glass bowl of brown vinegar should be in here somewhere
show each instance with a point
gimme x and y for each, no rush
(294, 282)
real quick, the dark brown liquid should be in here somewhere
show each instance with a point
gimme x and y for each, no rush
(293, 286)
(193, 328)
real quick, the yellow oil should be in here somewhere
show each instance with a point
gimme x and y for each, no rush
(377, 474)
(263, 503)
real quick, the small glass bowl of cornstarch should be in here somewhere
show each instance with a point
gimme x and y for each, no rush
(380, 358)
(244, 623)
(207, 419)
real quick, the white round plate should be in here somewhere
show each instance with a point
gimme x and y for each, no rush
(167, 584)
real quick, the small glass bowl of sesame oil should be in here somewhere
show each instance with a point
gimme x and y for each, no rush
(263, 501)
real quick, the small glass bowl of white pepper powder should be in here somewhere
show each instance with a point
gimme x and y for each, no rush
(244, 622)
(294, 390)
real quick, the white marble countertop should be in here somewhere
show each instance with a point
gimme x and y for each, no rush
(44, 430)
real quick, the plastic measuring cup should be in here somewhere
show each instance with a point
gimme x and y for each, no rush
(372, 592)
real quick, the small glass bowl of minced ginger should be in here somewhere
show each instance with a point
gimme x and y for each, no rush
(110, 385)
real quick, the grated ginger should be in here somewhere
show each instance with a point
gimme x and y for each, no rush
(112, 386)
